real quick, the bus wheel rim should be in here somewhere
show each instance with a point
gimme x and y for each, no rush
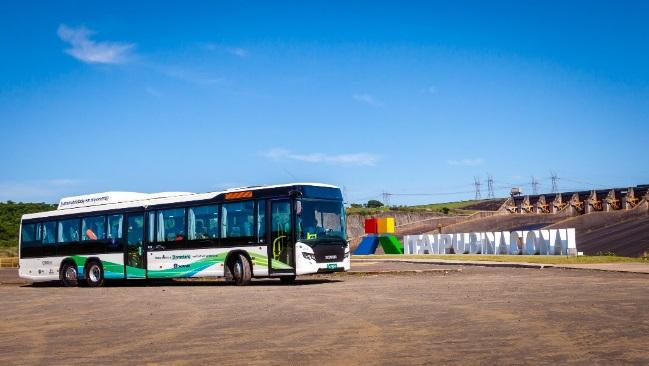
(94, 273)
(237, 270)
(70, 274)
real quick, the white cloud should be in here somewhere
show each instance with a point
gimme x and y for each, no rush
(238, 51)
(86, 50)
(358, 159)
(367, 99)
(466, 162)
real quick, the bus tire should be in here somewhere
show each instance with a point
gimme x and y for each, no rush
(69, 275)
(241, 271)
(227, 273)
(287, 280)
(94, 274)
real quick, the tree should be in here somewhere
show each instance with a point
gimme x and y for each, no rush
(374, 204)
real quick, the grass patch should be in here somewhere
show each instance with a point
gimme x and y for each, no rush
(542, 259)
(8, 252)
(452, 208)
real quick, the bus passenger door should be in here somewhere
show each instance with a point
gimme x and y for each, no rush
(134, 256)
(281, 249)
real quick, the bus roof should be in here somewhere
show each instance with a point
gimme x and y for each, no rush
(120, 200)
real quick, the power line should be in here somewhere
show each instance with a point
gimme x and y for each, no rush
(430, 194)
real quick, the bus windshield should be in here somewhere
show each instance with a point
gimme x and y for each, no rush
(320, 220)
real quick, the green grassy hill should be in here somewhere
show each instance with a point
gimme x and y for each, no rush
(451, 208)
(10, 214)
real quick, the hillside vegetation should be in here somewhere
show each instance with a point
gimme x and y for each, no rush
(450, 208)
(10, 214)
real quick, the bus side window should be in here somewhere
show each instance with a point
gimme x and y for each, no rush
(68, 231)
(171, 225)
(29, 246)
(93, 228)
(202, 222)
(237, 222)
(48, 233)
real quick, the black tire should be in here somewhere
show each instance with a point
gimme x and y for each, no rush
(241, 272)
(287, 280)
(228, 273)
(69, 275)
(94, 274)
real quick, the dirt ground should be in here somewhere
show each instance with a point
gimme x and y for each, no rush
(474, 316)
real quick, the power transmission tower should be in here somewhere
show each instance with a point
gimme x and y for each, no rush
(477, 184)
(535, 186)
(555, 182)
(386, 198)
(490, 187)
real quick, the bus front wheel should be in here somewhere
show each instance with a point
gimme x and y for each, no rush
(241, 271)
(94, 274)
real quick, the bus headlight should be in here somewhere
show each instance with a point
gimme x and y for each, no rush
(309, 256)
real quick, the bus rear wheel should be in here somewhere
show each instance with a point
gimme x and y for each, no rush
(240, 270)
(69, 275)
(94, 274)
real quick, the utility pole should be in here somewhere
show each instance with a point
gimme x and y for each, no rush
(386, 198)
(535, 186)
(477, 184)
(555, 182)
(490, 187)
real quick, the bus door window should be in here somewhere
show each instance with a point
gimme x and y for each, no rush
(281, 235)
(261, 221)
(134, 240)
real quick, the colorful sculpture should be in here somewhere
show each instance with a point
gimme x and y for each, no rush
(379, 231)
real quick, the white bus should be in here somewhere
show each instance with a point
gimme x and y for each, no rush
(271, 231)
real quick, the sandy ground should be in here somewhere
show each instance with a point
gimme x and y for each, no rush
(475, 316)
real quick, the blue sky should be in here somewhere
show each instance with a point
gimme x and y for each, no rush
(415, 97)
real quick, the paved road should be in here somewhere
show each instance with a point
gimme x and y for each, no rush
(476, 316)
(361, 263)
